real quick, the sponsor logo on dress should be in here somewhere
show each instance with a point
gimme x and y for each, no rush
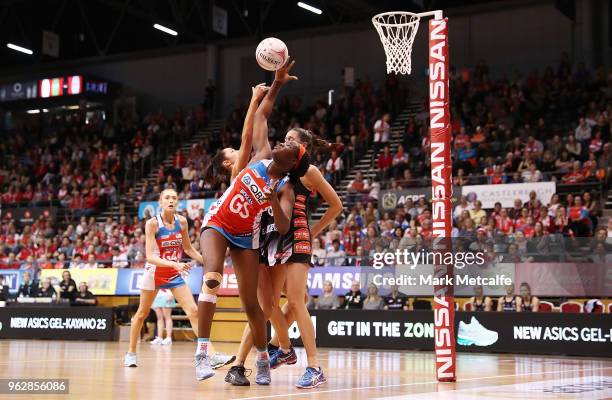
(301, 222)
(302, 248)
(299, 205)
(301, 234)
(172, 243)
(253, 187)
(300, 213)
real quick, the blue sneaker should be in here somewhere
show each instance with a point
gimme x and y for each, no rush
(272, 349)
(279, 358)
(312, 378)
(262, 376)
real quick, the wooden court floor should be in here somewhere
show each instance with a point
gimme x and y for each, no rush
(95, 372)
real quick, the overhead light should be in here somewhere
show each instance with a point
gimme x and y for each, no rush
(165, 29)
(45, 110)
(75, 107)
(19, 49)
(33, 111)
(309, 8)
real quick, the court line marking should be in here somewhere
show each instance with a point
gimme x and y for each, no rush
(316, 392)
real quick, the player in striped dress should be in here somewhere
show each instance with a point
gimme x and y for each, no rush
(290, 255)
(234, 222)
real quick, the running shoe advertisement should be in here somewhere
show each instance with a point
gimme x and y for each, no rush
(536, 333)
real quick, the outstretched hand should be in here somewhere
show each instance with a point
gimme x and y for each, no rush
(259, 91)
(282, 74)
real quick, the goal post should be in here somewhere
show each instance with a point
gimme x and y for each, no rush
(397, 31)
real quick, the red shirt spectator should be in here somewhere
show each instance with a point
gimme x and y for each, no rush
(77, 202)
(504, 223)
(578, 212)
(92, 200)
(575, 175)
(10, 262)
(498, 177)
(528, 229)
(28, 194)
(24, 253)
(426, 230)
(385, 159)
(178, 160)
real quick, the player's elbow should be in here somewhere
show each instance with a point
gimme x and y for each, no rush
(335, 206)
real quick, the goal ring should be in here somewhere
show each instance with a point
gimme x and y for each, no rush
(397, 31)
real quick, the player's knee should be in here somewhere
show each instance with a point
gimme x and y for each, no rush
(295, 302)
(192, 312)
(267, 308)
(139, 316)
(210, 287)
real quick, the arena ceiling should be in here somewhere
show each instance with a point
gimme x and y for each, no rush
(100, 28)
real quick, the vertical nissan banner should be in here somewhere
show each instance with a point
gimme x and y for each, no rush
(441, 187)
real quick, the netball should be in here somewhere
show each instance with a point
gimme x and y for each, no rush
(271, 54)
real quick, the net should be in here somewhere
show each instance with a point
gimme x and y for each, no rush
(397, 31)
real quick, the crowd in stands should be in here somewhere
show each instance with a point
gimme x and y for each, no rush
(543, 126)
(558, 229)
(514, 129)
(82, 162)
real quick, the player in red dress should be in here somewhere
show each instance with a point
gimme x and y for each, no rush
(166, 237)
(234, 222)
(285, 262)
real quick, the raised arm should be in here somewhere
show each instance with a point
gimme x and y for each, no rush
(246, 143)
(315, 179)
(261, 145)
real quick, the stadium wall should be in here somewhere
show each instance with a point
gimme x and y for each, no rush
(490, 33)
(518, 34)
(167, 81)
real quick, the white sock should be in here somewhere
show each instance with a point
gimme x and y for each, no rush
(262, 354)
(202, 346)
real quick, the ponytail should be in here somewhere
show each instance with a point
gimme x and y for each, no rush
(214, 172)
(321, 145)
(312, 142)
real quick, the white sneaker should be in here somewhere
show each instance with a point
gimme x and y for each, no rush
(130, 360)
(202, 367)
(167, 341)
(475, 334)
(218, 360)
(157, 341)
